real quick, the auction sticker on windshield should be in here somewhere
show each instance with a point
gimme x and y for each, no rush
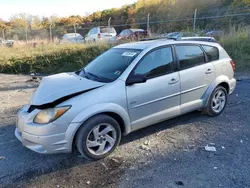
(129, 54)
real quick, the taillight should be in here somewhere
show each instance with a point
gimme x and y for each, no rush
(99, 35)
(233, 64)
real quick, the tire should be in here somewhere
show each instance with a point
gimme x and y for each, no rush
(211, 108)
(99, 145)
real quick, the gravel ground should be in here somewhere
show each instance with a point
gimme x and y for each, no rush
(170, 154)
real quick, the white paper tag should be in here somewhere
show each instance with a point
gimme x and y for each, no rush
(129, 54)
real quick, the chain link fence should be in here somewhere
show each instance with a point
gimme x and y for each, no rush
(157, 27)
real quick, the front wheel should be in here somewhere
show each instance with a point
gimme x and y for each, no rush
(98, 137)
(217, 102)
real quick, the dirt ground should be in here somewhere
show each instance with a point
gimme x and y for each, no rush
(170, 154)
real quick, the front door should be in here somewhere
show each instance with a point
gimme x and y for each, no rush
(159, 97)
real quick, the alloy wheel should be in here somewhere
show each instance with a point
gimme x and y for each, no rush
(219, 101)
(101, 139)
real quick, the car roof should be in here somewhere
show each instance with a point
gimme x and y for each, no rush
(161, 42)
(134, 30)
(72, 34)
(105, 27)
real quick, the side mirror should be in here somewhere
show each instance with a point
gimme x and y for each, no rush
(134, 79)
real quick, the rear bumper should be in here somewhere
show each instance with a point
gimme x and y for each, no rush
(232, 85)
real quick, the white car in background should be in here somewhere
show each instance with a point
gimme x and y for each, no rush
(72, 38)
(6, 43)
(102, 33)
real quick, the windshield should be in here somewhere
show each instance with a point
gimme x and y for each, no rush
(110, 65)
(107, 30)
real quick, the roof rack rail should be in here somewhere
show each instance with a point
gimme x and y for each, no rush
(201, 39)
(157, 38)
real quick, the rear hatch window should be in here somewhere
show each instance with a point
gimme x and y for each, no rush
(107, 30)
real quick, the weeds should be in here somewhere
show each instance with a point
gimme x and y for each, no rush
(237, 44)
(49, 58)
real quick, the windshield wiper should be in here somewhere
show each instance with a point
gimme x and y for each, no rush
(95, 76)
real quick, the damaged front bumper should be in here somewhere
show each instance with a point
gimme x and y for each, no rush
(43, 144)
(38, 137)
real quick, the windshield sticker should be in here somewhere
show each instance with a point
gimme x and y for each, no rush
(118, 72)
(129, 54)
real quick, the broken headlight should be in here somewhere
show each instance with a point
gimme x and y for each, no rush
(50, 114)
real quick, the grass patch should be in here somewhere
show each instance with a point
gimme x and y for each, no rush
(48, 59)
(237, 45)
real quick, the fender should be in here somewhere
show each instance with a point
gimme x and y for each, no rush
(212, 86)
(94, 110)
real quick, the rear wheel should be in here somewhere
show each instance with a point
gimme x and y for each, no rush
(217, 102)
(98, 137)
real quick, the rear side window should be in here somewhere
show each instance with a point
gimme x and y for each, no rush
(212, 53)
(107, 30)
(190, 56)
(156, 63)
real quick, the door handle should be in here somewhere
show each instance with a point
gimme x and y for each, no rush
(209, 71)
(173, 81)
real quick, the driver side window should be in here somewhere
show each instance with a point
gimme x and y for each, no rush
(156, 63)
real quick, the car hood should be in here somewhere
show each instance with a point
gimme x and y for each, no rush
(59, 86)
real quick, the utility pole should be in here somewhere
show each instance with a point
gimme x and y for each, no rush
(195, 14)
(148, 29)
(3, 33)
(50, 32)
(109, 21)
(26, 34)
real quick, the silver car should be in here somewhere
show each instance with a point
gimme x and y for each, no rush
(101, 34)
(129, 87)
(72, 38)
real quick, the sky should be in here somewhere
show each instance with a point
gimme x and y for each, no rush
(56, 7)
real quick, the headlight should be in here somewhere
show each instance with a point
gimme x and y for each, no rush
(50, 114)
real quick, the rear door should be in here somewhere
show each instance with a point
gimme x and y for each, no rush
(159, 97)
(196, 73)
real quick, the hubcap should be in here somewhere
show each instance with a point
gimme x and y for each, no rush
(219, 101)
(101, 139)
